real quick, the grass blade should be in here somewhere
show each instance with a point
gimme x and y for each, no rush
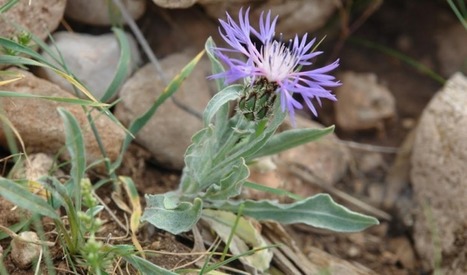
(22, 197)
(123, 66)
(77, 151)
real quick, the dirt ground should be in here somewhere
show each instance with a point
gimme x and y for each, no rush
(406, 26)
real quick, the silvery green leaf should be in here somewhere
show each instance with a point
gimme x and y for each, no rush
(231, 185)
(220, 99)
(164, 211)
(290, 139)
(215, 63)
(318, 211)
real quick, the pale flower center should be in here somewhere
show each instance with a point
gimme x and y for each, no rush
(278, 61)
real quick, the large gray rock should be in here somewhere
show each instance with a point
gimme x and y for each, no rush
(362, 102)
(92, 59)
(168, 133)
(296, 16)
(40, 17)
(439, 178)
(100, 12)
(40, 126)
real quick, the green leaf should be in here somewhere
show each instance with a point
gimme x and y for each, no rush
(290, 139)
(70, 100)
(220, 99)
(231, 185)
(74, 142)
(167, 213)
(318, 211)
(216, 65)
(275, 191)
(22, 197)
(123, 66)
(146, 267)
(8, 5)
(139, 123)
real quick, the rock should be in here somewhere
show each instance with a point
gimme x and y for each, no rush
(40, 126)
(452, 52)
(439, 179)
(92, 59)
(325, 159)
(168, 133)
(40, 17)
(296, 16)
(363, 103)
(174, 4)
(24, 253)
(102, 13)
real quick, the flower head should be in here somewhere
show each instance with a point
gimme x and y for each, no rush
(274, 61)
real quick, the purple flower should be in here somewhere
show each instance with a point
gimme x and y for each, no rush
(275, 61)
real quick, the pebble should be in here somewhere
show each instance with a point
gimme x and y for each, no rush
(363, 103)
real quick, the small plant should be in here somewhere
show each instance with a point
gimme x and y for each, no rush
(216, 164)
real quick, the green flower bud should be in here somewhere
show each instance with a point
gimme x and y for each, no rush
(257, 100)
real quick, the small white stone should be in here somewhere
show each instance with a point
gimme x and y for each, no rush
(24, 253)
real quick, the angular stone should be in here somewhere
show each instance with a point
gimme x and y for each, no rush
(92, 59)
(362, 102)
(168, 133)
(439, 178)
(40, 126)
(100, 12)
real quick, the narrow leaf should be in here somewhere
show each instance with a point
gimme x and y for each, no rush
(74, 142)
(145, 266)
(290, 139)
(70, 100)
(318, 211)
(220, 99)
(22, 197)
(123, 66)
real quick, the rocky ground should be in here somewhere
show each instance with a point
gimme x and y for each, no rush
(398, 152)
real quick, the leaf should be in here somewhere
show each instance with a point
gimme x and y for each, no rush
(20, 196)
(246, 237)
(167, 213)
(146, 267)
(220, 99)
(231, 185)
(216, 65)
(133, 197)
(318, 211)
(74, 142)
(70, 100)
(290, 139)
(123, 66)
(275, 191)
